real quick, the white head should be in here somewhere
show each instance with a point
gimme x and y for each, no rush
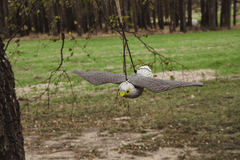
(125, 88)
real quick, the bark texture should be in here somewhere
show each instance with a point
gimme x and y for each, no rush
(11, 137)
(211, 14)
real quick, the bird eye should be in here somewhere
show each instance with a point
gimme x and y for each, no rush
(128, 91)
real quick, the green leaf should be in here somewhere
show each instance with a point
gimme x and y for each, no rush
(172, 78)
(25, 27)
(140, 61)
(38, 11)
(166, 66)
(61, 3)
(16, 40)
(151, 6)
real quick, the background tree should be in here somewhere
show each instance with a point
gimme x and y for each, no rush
(133, 3)
(211, 14)
(2, 20)
(160, 14)
(225, 13)
(234, 11)
(53, 24)
(182, 15)
(190, 13)
(172, 25)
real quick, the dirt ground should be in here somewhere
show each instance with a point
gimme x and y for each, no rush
(91, 142)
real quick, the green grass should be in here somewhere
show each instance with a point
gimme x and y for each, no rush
(208, 50)
(208, 122)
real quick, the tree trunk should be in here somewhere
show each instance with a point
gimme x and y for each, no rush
(125, 13)
(100, 16)
(144, 19)
(105, 12)
(78, 12)
(229, 13)
(2, 19)
(58, 12)
(6, 13)
(160, 14)
(133, 3)
(148, 16)
(11, 141)
(166, 8)
(190, 13)
(19, 22)
(54, 28)
(216, 12)
(69, 18)
(234, 11)
(203, 20)
(40, 18)
(172, 24)
(154, 16)
(92, 17)
(182, 15)
(84, 17)
(114, 10)
(211, 14)
(226, 13)
(176, 13)
(73, 8)
(35, 19)
(89, 15)
(140, 15)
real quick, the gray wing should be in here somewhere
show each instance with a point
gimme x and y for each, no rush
(98, 78)
(159, 85)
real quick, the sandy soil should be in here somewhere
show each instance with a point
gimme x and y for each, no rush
(90, 141)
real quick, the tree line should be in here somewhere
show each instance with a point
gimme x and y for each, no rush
(81, 16)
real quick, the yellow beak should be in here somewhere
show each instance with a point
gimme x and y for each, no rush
(121, 94)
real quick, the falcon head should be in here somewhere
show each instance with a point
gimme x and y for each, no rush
(125, 88)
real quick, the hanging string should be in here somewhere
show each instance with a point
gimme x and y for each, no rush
(124, 57)
(124, 37)
(124, 41)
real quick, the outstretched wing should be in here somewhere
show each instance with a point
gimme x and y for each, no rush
(159, 85)
(98, 78)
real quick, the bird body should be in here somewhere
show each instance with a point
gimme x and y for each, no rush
(135, 84)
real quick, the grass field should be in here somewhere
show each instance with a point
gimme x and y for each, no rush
(204, 118)
(210, 50)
